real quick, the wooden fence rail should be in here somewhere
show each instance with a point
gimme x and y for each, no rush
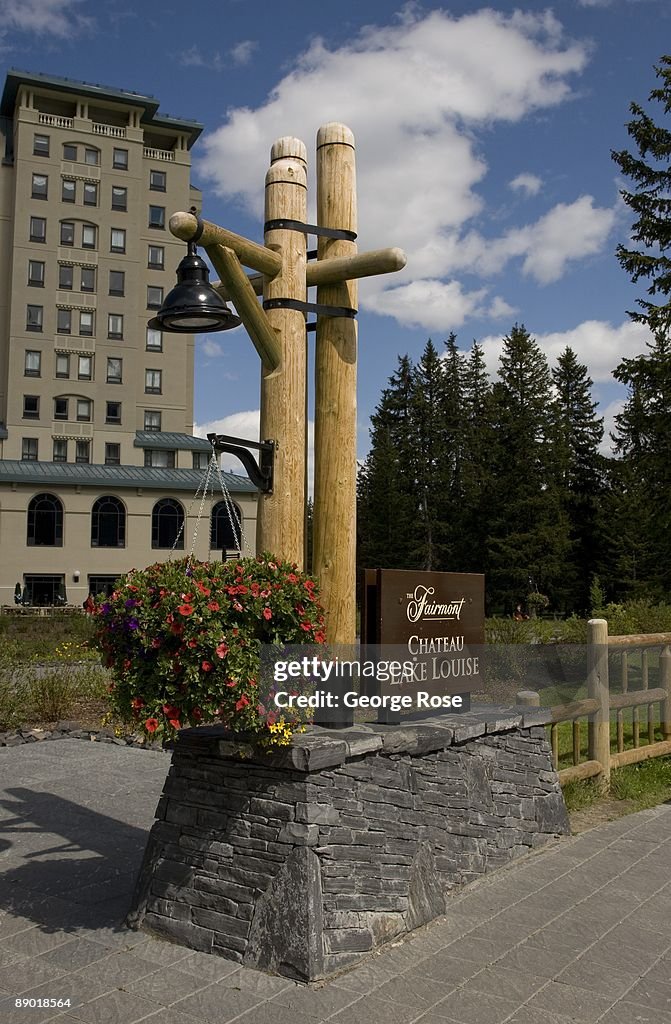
(600, 704)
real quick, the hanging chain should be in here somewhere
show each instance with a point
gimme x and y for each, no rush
(204, 484)
(234, 519)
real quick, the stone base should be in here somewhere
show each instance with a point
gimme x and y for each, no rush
(303, 862)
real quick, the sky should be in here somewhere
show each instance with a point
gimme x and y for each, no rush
(483, 139)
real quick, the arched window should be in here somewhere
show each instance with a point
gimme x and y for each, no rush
(108, 523)
(45, 521)
(222, 534)
(167, 518)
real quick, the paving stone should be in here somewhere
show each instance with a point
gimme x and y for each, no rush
(114, 1007)
(217, 1004)
(371, 1010)
(475, 1008)
(448, 969)
(651, 993)
(595, 977)
(500, 981)
(74, 954)
(166, 985)
(632, 1013)
(576, 1003)
(318, 1002)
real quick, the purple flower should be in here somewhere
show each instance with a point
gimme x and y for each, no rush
(106, 608)
(131, 602)
(189, 571)
(133, 624)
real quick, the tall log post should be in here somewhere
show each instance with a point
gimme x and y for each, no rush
(280, 520)
(598, 729)
(334, 524)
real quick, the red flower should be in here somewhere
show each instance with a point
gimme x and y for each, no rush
(192, 643)
(197, 713)
(177, 628)
(155, 642)
(309, 585)
(292, 578)
(320, 637)
(175, 723)
(170, 711)
(213, 606)
(207, 666)
(271, 719)
(307, 626)
(222, 649)
(185, 609)
(204, 590)
(137, 703)
(151, 724)
(255, 589)
(242, 703)
(267, 614)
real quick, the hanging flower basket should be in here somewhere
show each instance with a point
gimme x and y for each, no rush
(183, 639)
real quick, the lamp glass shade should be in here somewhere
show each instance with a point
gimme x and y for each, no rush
(193, 306)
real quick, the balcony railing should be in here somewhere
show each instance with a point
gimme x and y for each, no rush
(108, 129)
(158, 154)
(56, 121)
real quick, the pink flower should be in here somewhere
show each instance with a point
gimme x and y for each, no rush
(213, 606)
(222, 649)
(242, 703)
(267, 614)
(207, 666)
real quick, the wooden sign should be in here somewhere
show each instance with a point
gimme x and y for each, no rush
(437, 619)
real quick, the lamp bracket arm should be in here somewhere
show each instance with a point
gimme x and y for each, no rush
(261, 473)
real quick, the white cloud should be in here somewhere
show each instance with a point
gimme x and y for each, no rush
(526, 182)
(195, 58)
(44, 17)
(242, 52)
(436, 305)
(415, 94)
(211, 348)
(597, 343)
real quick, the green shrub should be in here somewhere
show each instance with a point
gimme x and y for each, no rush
(51, 694)
(640, 616)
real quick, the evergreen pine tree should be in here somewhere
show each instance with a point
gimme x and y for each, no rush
(429, 459)
(528, 538)
(579, 468)
(474, 404)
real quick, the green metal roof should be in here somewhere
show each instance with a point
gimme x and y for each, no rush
(16, 78)
(62, 474)
(170, 440)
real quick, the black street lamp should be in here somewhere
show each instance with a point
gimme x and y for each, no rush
(193, 306)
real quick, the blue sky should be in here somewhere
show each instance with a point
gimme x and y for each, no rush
(483, 149)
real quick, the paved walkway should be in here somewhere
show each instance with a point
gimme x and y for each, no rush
(579, 932)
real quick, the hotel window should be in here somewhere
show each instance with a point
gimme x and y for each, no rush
(34, 318)
(154, 340)
(62, 364)
(85, 367)
(119, 198)
(89, 236)
(90, 193)
(112, 454)
(115, 325)
(61, 408)
(118, 240)
(68, 190)
(157, 181)
(67, 232)
(117, 282)
(69, 152)
(84, 410)
(86, 323)
(60, 450)
(40, 145)
(40, 186)
(29, 449)
(200, 460)
(91, 156)
(88, 279)
(113, 412)
(156, 216)
(114, 366)
(120, 159)
(83, 451)
(159, 459)
(64, 321)
(154, 297)
(66, 276)
(31, 407)
(38, 229)
(36, 274)
(156, 260)
(152, 419)
(152, 382)
(32, 363)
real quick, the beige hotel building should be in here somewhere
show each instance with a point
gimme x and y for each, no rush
(98, 462)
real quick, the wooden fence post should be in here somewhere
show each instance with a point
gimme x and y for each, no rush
(665, 683)
(597, 689)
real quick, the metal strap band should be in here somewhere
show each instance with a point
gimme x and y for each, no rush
(310, 307)
(309, 229)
